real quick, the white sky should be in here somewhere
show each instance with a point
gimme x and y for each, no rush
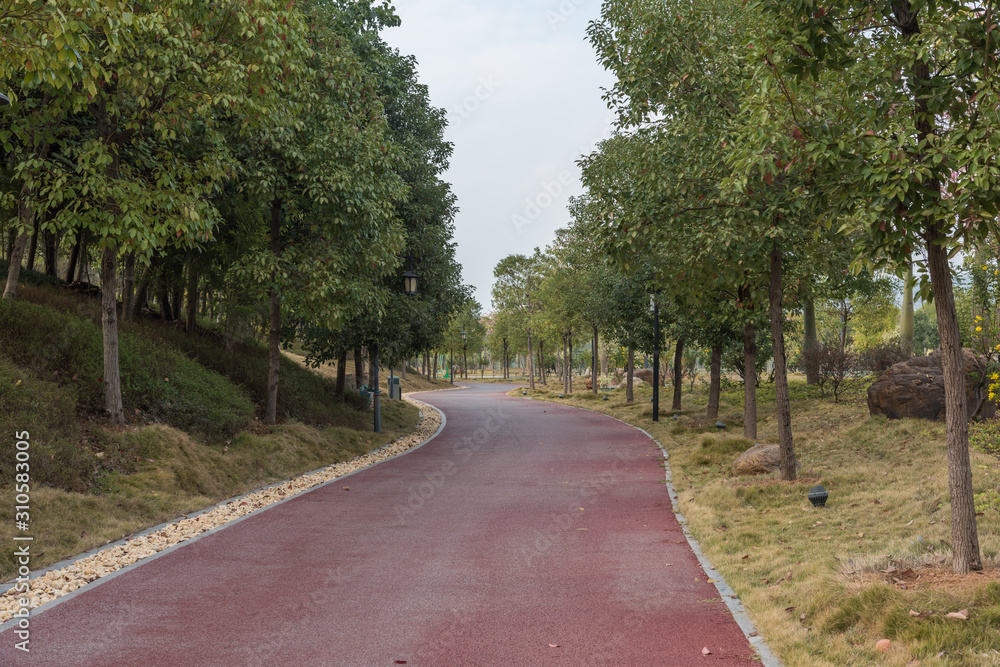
(522, 88)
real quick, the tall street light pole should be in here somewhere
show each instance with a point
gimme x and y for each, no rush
(410, 289)
(656, 359)
(465, 362)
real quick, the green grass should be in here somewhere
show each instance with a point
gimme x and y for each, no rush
(157, 383)
(192, 439)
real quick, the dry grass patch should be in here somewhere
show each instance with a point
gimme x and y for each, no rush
(810, 576)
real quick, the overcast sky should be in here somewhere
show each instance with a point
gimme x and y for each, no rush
(522, 88)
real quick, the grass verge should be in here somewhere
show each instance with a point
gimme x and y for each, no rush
(824, 585)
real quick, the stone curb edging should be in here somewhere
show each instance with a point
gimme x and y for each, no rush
(728, 595)
(73, 575)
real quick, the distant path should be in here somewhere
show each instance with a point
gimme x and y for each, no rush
(521, 526)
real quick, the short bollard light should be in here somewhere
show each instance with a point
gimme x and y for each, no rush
(605, 397)
(524, 393)
(818, 495)
(676, 416)
(561, 396)
(720, 424)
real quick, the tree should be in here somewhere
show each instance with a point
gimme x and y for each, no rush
(144, 80)
(900, 138)
(515, 291)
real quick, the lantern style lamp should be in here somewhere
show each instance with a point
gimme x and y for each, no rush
(410, 280)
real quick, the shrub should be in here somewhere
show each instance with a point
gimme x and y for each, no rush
(835, 363)
(881, 356)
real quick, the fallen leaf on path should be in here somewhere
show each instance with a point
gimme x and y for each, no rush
(347, 488)
(705, 651)
(960, 615)
(745, 556)
(913, 663)
(882, 645)
(553, 645)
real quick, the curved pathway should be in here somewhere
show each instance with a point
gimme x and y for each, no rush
(524, 534)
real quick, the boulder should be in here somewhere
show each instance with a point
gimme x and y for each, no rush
(636, 383)
(915, 388)
(644, 374)
(590, 383)
(759, 460)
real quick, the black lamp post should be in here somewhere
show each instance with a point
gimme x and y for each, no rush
(656, 358)
(410, 280)
(465, 362)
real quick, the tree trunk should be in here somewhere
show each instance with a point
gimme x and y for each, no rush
(810, 342)
(192, 298)
(128, 289)
(629, 367)
(541, 361)
(359, 368)
(750, 381)
(164, 298)
(177, 298)
(140, 293)
(74, 257)
(109, 325)
(531, 367)
(26, 219)
(372, 369)
(783, 407)
(14, 269)
(964, 533)
(569, 362)
(341, 390)
(716, 383)
(52, 254)
(83, 263)
(33, 247)
(678, 376)
(274, 332)
(906, 313)
(593, 362)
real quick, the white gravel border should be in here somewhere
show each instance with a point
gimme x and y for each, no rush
(61, 581)
(728, 595)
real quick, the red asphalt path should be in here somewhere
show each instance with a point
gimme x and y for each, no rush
(524, 534)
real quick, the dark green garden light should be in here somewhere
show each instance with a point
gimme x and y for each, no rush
(465, 366)
(410, 288)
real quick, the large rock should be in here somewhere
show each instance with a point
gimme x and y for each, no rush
(915, 388)
(758, 460)
(636, 383)
(644, 374)
(590, 383)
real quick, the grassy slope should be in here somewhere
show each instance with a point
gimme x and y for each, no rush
(810, 576)
(193, 440)
(413, 381)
